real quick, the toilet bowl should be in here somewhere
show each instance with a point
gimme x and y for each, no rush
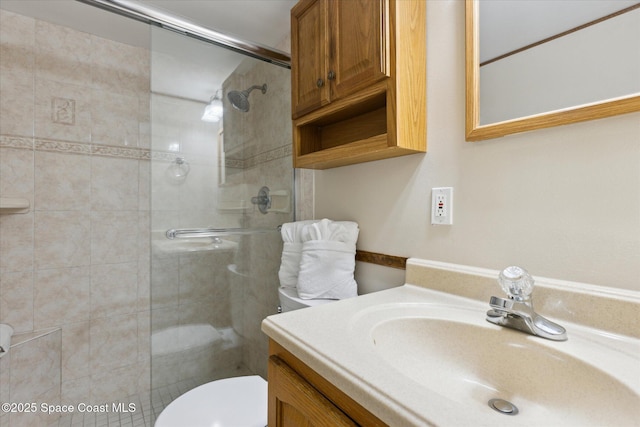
(239, 401)
(231, 402)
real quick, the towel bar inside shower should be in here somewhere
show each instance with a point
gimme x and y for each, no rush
(187, 233)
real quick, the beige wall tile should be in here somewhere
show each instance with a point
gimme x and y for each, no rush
(166, 317)
(16, 245)
(62, 182)
(164, 282)
(61, 295)
(119, 68)
(144, 382)
(62, 239)
(5, 377)
(164, 371)
(75, 391)
(144, 120)
(113, 342)
(35, 366)
(144, 187)
(114, 184)
(16, 103)
(63, 54)
(17, 44)
(114, 289)
(198, 274)
(144, 283)
(108, 108)
(16, 172)
(114, 237)
(144, 336)
(117, 383)
(75, 351)
(16, 300)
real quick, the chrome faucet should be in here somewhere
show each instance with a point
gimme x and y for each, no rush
(517, 311)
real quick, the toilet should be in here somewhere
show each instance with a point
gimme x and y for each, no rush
(230, 402)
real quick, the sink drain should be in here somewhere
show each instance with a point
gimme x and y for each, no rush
(503, 406)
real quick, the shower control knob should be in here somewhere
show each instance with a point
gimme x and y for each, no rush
(320, 83)
(331, 75)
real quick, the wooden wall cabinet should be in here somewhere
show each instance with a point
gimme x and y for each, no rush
(358, 71)
(299, 397)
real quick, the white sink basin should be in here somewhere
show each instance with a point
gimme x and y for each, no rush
(454, 352)
(418, 357)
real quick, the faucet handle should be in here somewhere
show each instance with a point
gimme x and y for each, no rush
(516, 282)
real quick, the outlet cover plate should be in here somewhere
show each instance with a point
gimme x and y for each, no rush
(442, 206)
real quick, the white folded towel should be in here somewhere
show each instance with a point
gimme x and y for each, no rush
(291, 252)
(327, 262)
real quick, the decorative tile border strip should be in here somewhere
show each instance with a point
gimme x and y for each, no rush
(10, 141)
(268, 156)
(123, 152)
(60, 146)
(234, 163)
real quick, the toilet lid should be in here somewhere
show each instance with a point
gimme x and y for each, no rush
(231, 402)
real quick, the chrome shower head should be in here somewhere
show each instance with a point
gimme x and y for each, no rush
(240, 100)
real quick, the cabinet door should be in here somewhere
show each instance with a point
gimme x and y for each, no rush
(293, 402)
(359, 44)
(309, 56)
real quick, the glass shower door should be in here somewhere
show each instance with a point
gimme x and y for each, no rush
(210, 290)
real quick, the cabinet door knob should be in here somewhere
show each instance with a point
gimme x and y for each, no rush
(331, 75)
(320, 83)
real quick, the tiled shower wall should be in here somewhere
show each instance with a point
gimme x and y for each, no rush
(264, 149)
(74, 140)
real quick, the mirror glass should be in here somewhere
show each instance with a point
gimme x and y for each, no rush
(534, 64)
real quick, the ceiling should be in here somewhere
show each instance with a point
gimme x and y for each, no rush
(191, 69)
(262, 21)
(505, 25)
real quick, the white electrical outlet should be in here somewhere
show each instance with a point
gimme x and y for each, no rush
(442, 206)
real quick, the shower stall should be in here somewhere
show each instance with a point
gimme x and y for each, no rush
(150, 250)
(215, 246)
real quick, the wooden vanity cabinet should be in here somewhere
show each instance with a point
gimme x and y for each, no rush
(358, 80)
(300, 397)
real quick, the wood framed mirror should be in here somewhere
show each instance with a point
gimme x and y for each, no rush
(599, 43)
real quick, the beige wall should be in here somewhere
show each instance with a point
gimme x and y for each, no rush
(563, 202)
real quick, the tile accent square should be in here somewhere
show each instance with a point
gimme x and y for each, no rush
(63, 111)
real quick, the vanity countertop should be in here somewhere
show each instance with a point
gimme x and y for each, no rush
(335, 340)
(316, 335)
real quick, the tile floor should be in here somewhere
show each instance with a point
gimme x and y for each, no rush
(148, 407)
